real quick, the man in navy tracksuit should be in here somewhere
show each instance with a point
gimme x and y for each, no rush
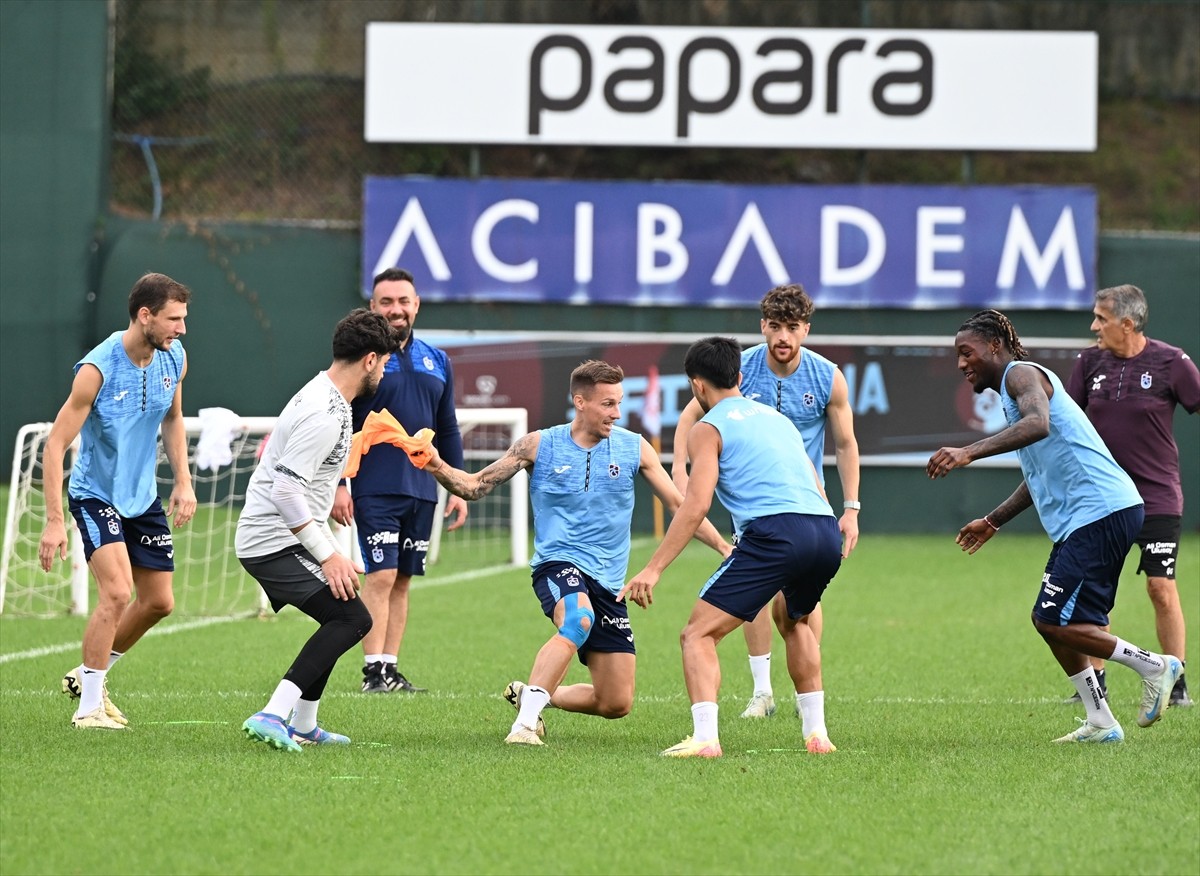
(394, 502)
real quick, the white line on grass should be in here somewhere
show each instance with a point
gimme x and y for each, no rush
(180, 627)
(199, 623)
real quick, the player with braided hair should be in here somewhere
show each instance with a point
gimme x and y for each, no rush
(1087, 504)
(992, 324)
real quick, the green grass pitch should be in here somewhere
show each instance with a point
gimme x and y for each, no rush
(940, 697)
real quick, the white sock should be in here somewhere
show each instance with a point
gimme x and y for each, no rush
(812, 713)
(305, 719)
(91, 689)
(388, 658)
(372, 658)
(1098, 712)
(533, 700)
(704, 722)
(760, 671)
(1144, 663)
(113, 657)
(283, 700)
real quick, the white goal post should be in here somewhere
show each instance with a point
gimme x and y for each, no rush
(209, 580)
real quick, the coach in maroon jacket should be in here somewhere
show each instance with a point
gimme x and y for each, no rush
(1129, 385)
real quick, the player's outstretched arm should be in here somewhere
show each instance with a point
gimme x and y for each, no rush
(1029, 388)
(688, 417)
(704, 447)
(656, 476)
(519, 457)
(979, 532)
(71, 416)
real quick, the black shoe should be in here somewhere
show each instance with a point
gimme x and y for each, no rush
(1179, 693)
(1074, 698)
(397, 682)
(374, 680)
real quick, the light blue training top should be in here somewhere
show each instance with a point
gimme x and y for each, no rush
(762, 468)
(118, 444)
(583, 502)
(802, 396)
(1071, 475)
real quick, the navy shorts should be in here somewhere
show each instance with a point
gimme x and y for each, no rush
(393, 532)
(147, 537)
(611, 632)
(1159, 541)
(796, 553)
(1079, 585)
(290, 576)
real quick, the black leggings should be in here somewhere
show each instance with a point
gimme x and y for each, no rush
(343, 625)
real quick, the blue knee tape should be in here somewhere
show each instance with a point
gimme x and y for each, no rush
(577, 620)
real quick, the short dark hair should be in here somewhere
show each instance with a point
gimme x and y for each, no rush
(153, 291)
(363, 331)
(393, 274)
(788, 303)
(587, 374)
(994, 325)
(717, 360)
(1126, 301)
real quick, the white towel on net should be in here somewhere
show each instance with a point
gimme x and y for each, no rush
(218, 428)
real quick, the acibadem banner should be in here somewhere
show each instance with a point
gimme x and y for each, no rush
(716, 245)
(731, 87)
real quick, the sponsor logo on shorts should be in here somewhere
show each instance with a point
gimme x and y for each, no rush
(1161, 547)
(1048, 588)
(420, 545)
(163, 539)
(1048, 604)
(383, 538)
(617, 623)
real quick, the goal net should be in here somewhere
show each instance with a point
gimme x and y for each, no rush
(209, 580)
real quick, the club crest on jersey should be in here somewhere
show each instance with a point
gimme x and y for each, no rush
(428, 363)
(614, 470)
(809, 399)
(168, 381)
(1147, 380)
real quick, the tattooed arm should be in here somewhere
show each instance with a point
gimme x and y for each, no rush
(475, 486)
(1031, 391)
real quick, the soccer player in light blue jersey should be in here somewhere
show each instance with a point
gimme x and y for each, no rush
(581, 485)
(786, 541)
(123, 390)
(1088, 505)
(812, 392)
